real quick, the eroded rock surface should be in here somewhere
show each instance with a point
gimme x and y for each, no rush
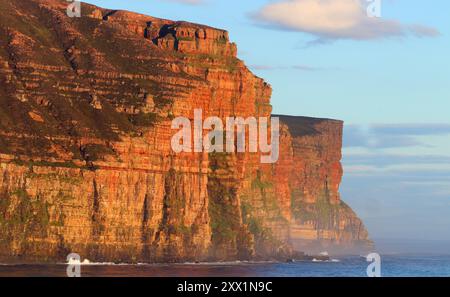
(86, 166)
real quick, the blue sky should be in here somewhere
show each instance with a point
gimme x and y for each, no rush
(387, 78)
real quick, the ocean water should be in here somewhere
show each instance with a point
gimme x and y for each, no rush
(391, 266)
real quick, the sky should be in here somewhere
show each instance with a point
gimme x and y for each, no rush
(387, 77)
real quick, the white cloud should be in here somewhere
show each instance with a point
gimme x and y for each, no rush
(190, 2)
(392, 135)
(335, 19)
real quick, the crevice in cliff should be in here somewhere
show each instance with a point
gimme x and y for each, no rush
(146, 233)
(224, 212)
(108, 14)
(145, 211)
(97, 225)
(172, 224)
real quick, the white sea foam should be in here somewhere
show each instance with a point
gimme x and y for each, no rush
(335, 260)
(326, 261)
(86, 262)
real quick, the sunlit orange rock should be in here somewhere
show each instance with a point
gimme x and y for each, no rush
(85, 159)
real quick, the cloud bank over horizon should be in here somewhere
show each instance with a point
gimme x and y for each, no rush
(397, 176)
(382, 136)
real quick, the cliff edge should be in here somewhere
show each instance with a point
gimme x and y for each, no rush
(85, 160)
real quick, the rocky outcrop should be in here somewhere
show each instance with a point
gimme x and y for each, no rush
(86, 166)
(320, 219)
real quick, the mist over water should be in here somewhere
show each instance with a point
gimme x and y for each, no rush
(399, 246)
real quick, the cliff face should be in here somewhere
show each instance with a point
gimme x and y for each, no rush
(86, 166)
(320, 219)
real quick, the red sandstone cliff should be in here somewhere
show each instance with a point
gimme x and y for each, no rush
(85, 160)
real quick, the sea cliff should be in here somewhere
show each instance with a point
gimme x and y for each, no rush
(86, 165)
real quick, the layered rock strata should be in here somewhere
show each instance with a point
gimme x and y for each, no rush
(86, 166)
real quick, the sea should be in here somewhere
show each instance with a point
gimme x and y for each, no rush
(343, 266)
